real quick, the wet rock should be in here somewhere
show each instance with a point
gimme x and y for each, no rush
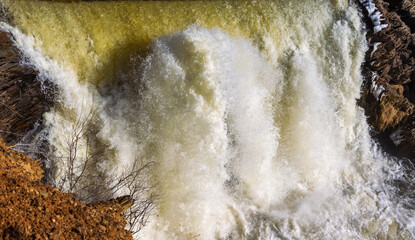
(388, 92)
(23, 99)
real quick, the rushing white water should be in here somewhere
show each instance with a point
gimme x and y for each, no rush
(248, 141)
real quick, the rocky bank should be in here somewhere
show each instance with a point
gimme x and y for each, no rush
(28, 208)
(32, 210)
(388, 92)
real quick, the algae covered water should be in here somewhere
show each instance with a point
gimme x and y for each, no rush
(246, 110)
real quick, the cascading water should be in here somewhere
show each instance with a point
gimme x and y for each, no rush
(247, 110)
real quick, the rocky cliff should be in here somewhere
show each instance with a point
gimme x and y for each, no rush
(388, 95)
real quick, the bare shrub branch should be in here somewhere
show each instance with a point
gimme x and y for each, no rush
(80, 175)
(141, 191)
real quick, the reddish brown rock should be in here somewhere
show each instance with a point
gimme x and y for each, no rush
(22, 101)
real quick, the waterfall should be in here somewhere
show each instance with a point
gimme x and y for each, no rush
(246, 111)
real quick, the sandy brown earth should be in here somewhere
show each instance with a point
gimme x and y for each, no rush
(32, 210)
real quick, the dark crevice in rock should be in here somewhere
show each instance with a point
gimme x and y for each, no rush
(406, 11)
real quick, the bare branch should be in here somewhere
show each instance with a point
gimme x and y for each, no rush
(81, 176)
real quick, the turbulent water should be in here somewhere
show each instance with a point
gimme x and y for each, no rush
(246, 110)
